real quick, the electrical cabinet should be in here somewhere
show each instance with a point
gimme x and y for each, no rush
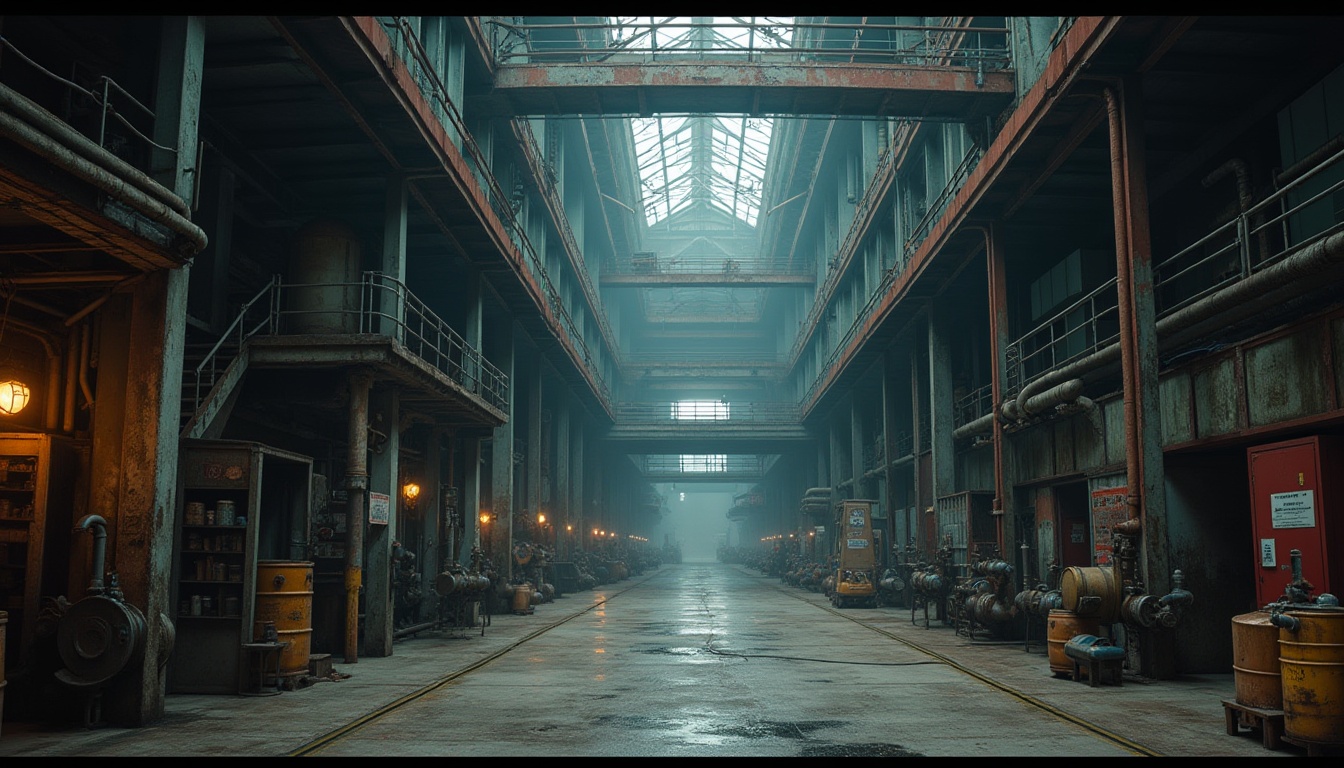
(237, 503)
(37, 479)
(1295, 504)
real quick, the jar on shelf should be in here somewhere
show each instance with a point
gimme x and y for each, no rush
(225, 512)
(195, 514)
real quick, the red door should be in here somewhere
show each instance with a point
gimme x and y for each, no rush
(1287, 508)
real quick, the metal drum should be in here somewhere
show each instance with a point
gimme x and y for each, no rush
(285, 598)
(1311, 658)
(1092, 592)
(1255, 661)
(1063, 626)
(323, 283)
(522, 599)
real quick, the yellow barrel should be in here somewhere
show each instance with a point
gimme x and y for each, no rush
(522, 599)
(285, 597)
(1311, 659)
(1062, 626)
(1092, 592)
(1255, 661)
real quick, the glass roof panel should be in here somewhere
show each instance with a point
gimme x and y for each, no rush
(715, 160)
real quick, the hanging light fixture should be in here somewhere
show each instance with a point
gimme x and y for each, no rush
(14, 395)
(411, 492)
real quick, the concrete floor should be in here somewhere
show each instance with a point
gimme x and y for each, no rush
(688, 660)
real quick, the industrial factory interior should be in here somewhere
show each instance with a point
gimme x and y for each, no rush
(333, 344)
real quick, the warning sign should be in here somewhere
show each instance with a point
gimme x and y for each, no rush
(1109, 509)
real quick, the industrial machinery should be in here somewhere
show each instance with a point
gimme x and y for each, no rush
(463, 593)
(101, 635)
(855, 563)
(932, 584)
(1311, 659)
(985, 600)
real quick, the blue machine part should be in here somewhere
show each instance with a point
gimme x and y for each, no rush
(1091, 647)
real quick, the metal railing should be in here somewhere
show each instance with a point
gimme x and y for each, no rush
(648, 263)
(707, 412)
(103, 94)
(743, 39)
(690, 357)
(972, 405)
(1300, 213)
(1085, 326)
(377, 304)
(701, 465)
(1304, 210)
(501, 203)
(875, 297)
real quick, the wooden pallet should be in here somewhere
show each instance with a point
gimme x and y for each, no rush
(1268, 721)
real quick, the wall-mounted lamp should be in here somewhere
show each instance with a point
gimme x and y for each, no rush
(541, 518)
(485, 517)
(14, 395)
(410, 492)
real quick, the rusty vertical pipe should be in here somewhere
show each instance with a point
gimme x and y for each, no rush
(1123, 284)
(998, 330)
(356, 483)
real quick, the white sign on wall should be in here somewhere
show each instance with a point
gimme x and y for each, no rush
(1294, 509)
(380, 507)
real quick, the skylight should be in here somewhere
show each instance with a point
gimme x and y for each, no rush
(711, 160)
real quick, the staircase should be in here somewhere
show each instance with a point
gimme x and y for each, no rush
(211, 373)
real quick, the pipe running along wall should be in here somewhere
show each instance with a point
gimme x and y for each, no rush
(71, 152)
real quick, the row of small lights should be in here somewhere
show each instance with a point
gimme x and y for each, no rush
(779, 536)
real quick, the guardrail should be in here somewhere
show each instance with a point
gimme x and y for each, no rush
(751, 39)
(376, 304)
(706, 411)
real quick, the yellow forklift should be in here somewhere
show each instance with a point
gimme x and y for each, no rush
(855, 582)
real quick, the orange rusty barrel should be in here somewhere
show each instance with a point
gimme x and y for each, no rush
(285, 598)
(1063, 626)
(1311, 659)
(1091, 592)
(522, 599)
(1255, 661)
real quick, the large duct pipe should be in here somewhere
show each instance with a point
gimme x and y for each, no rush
(1238, 169)
(111, 182)
(82, 146)
(1067, 392)
(1233, 303)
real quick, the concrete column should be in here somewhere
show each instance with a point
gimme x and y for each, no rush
(436, 520)
(356, 485)
(922, 494)
(393, 263)
(561, 471)
(577, 487)
(1155, 563)
(859, 491)
(139, 394)
(535, 444)
(891, 500)
(471, 505)
(384, 487)
(940, 400)
(501, 533)
(474, 328)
